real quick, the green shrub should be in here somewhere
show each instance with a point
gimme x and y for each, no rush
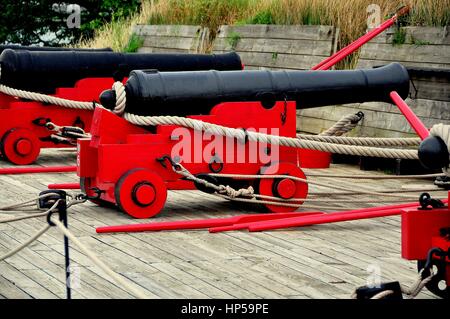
(133, 44)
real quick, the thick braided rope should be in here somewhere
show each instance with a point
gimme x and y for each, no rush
(362, 141)
(411, 292)
(269, 139)
(46, 98)
(417, 287)
(118, 87)
(121, 97)
(442, 131)
(344, 125)
(213, 128)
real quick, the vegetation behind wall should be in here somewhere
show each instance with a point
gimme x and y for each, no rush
(350, 16)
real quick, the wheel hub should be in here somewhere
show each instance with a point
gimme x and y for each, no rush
(285, 188)
(144, 194)
(140, 193)
(23, 147)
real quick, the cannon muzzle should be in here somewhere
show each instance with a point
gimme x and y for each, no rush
(187, 93)
(43, 71)
(433, 153)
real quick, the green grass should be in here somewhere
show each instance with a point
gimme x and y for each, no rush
(348, 15)
(262, 17)
(418, 42)
(134, 44)
(399, 36)
(233, 39)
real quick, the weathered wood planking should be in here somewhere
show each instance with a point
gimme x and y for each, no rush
(368, 63)
(431, 89)
(381, 119)
(172, 38)
(287, 32)
(415, 35)
(424, 47)
(325, 261)
(264, 60)
(277, 46)
(405, 53)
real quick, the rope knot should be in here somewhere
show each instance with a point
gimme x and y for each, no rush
(231, 192)
(121, 97)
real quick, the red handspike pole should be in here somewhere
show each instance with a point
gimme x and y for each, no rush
(412, 118)
(245, 225)
(197, 224)
(341, 54)
(176, 225)
(334, 217)
(36, 170)
(64, 186)
(322, 219)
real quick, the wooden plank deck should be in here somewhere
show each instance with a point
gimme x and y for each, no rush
(326, 261)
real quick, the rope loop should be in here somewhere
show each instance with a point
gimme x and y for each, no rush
(442, 131)
(121, 98)
(344, 125)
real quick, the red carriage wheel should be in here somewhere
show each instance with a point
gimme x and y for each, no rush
(284, 188)
(20, 146)
(140, 193)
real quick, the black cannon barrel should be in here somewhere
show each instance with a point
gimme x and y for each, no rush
(43, 71)
(185, 93)
(36, 48)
